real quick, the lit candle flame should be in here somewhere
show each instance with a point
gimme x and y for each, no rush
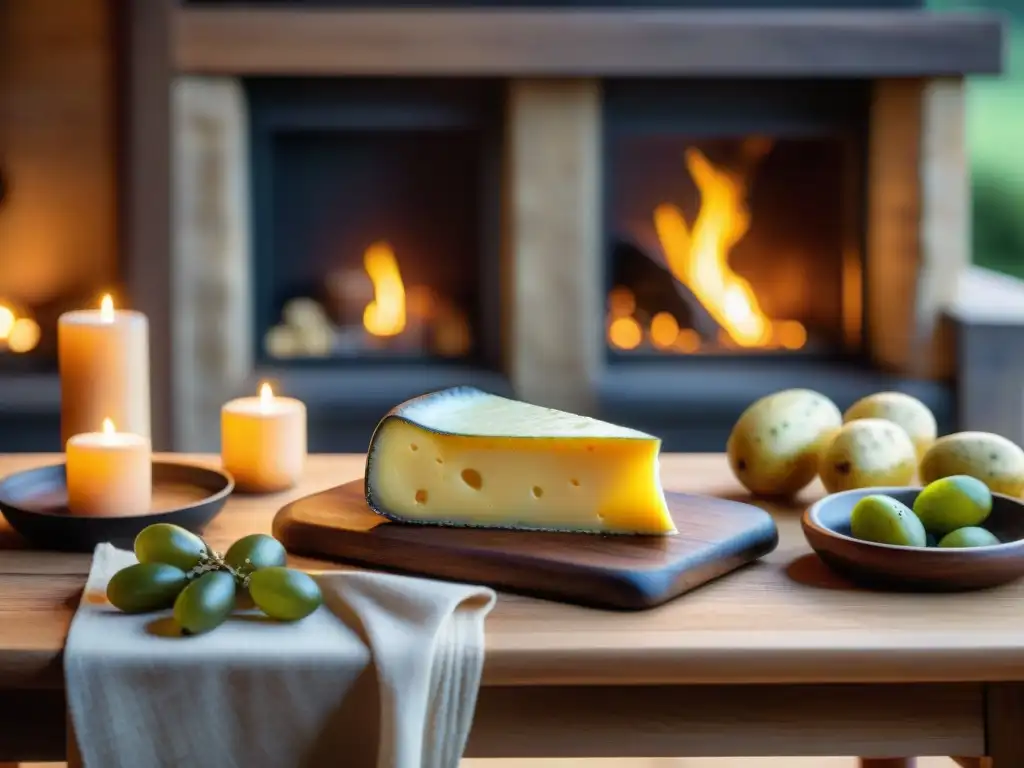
(108, 427)
(266, 396)
(107, 309)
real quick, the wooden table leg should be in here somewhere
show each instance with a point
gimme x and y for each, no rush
(1004, 714)
(74, 758)
(888, 762)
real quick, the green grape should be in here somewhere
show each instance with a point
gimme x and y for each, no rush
(171, 544)
(284, 593)
(205, 603)
(146, 587)
(255, 551)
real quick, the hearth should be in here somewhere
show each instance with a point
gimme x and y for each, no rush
(736, 226)
(734, 217)
(374, 268)
(372, 203)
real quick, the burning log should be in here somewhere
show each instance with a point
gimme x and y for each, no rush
(656, 289)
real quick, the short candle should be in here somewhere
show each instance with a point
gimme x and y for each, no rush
(109, 473)
(263, 441)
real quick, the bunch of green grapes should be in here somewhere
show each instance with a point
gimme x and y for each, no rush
(176, 569)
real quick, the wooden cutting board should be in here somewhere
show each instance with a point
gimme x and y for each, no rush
(615, 572)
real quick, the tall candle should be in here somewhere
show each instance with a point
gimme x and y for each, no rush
(263, 441)
(109, 473)
(104, 370)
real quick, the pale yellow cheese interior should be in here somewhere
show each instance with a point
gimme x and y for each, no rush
(483, 460)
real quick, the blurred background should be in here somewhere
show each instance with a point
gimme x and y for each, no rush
(358, 240)
(995, 126)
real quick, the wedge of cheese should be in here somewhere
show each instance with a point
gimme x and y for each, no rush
(463, 457)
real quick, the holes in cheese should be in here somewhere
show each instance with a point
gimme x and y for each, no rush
(472, 478)
(508, 464)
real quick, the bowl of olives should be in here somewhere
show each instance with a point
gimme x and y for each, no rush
(953, 534)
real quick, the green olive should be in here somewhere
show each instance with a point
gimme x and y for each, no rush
(285, 594)
(959, 501)
(171, 544)
(884, 520)
(970, 536)
(205, 603)
(146, 587)
(255, 551)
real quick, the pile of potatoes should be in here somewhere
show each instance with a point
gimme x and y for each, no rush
(783, 441)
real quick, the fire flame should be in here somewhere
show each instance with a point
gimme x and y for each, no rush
(699, 257)
(107, 309)
(266, 395)
(385, 315)
(108, 427)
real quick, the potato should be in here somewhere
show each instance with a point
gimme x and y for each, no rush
(996, 461)
(774, 447)
(909, 412)
(868, 453)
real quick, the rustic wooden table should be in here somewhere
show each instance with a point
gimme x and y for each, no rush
(780, 658)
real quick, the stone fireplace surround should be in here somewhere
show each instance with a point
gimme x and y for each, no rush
(919, 301)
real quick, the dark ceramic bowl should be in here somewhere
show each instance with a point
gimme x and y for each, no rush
(35, 504)
(827, 528)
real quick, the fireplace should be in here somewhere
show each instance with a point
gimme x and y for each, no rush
(734, 218)
(373, 202)
(650, 216)
(373, 209)
(736, 225)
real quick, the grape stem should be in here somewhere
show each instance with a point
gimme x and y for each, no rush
(209, 561)
(212, 560)
(244, 573)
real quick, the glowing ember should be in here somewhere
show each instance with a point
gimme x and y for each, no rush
(664, 330)
(625, 333)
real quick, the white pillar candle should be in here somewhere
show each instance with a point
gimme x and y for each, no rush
(263, 441)
(109, 473)
(104, 370)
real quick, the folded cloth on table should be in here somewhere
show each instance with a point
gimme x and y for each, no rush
(384, 675)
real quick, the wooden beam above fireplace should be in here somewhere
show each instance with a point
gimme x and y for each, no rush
(548, 42)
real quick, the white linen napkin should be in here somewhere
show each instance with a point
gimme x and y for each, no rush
(384, 675)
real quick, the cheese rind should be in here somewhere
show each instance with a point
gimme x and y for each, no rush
(463, 457)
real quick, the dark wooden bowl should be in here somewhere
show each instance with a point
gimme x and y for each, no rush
(35, 504)
(827, 528)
